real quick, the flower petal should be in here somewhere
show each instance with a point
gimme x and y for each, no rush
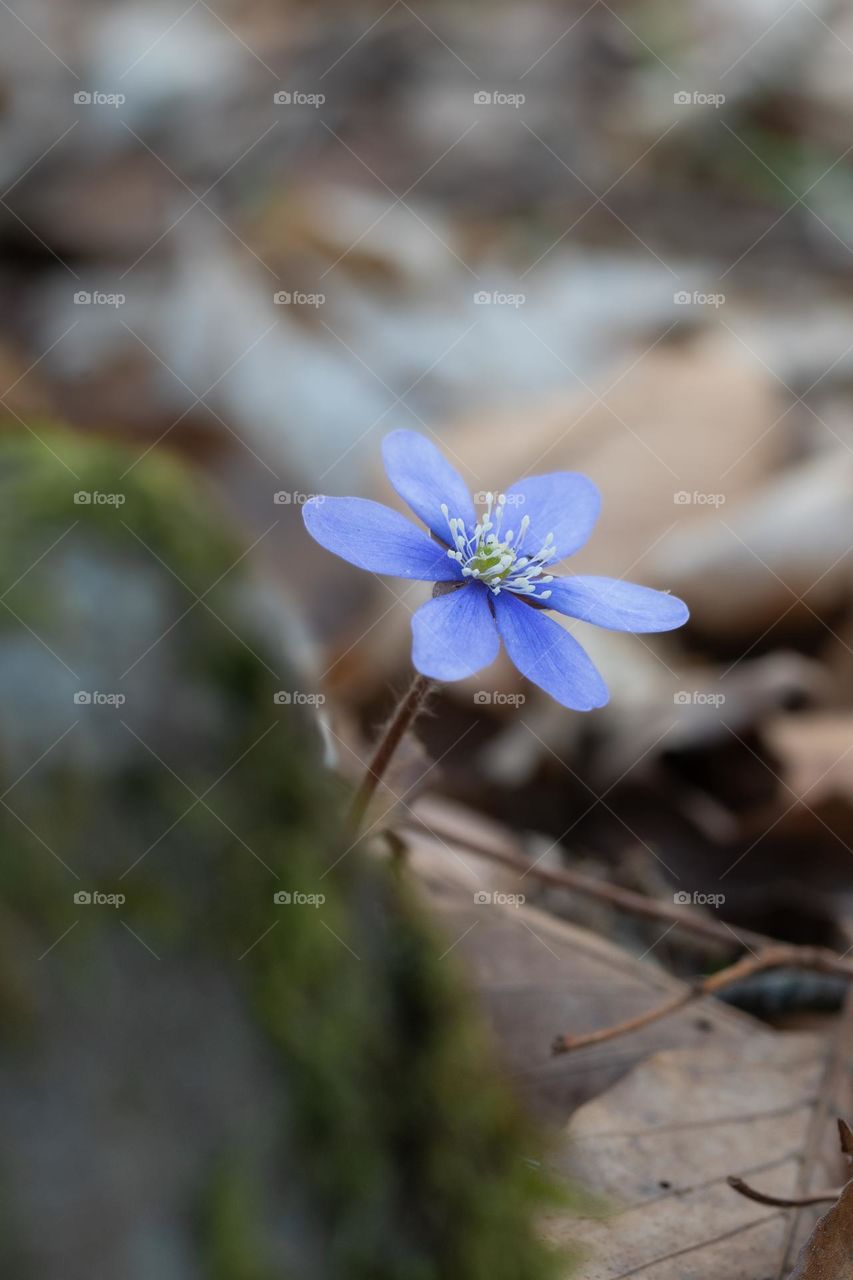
(564, 503)
(455, 634)
(376, 538)
(620, 606)
(425, 479)
(546, 653)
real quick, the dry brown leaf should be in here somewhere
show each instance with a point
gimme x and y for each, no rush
(686, 419)
(785, 545)
(828, 1253)
(811, 755)
(815, 751)
(730, 1097)
(660, 1144)
(537, 976)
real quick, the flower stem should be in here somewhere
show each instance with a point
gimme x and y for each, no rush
(401, 720)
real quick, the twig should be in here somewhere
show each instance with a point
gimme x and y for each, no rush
(845, 1136)
(622, 899)
(773, 953)
(773, 957)
(565, 1043)
(780, 1202)
(821, 959)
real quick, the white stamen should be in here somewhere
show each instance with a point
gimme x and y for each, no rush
(495, 558)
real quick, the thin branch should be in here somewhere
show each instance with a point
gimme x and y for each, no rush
(621, 899)
(776, 956)
(566, 1043)
(773, 954)
(780, 1202)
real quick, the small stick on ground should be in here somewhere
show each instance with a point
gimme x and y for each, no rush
(781, 1202)
(773, 954)
(614, 895)
(773, 957)
(845, 1135)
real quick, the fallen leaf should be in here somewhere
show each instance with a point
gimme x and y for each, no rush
(785, 545)
(828, 1253)
(536, 976)
(659, 1146)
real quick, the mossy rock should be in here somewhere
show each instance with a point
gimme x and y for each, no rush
(198, 1080)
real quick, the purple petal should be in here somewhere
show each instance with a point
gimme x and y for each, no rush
(564, 503)
(620, 606)
(546, 653)
(376, 538)
(455, 634)
(425, 479)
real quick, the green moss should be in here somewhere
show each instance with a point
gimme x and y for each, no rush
(230, 1230)
(413, 1162)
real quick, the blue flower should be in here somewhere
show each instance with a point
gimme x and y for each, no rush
(495, 567)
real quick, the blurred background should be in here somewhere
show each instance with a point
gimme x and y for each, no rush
(608, 237)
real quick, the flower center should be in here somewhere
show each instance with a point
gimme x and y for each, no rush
(494, 557)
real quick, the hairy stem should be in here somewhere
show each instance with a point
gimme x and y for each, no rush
(402, 719)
